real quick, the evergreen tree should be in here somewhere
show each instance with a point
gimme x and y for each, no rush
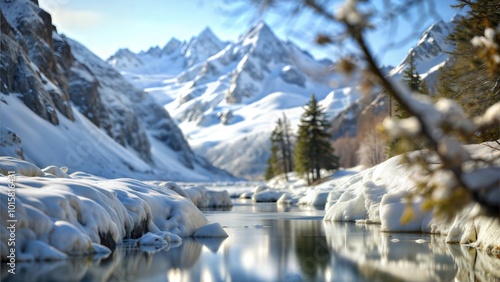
(411, 78)
(424, 89)
(280, 160)
(468, 77)
(313, 151)
(272, 169)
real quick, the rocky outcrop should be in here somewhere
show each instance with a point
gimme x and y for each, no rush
(19, 76)
(27, 39)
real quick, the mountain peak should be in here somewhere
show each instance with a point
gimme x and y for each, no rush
(172, 45)
(153, 51)
(261, 29)
(429, 51)
(207, 33)
(123, 51)
(201, 47)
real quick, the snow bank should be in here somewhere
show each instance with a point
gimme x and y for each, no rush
(255, 190)
(379, 195)
(19, 167)
(268, 196)
(59, 215)
(316, 197)
(298, 193)
(203, 198)
(287, 199)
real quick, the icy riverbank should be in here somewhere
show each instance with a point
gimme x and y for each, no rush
(379, 195)
(58, 215)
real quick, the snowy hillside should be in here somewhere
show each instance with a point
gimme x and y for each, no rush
(62, 105)
(228, 104)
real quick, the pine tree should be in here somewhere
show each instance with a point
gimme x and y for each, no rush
(272, 169)
(411, 78)
(467, 77)
(313, 151)
(424, 89)
(280, 160)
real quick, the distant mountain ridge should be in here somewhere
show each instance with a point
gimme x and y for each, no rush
(62, 105)
(172, 58)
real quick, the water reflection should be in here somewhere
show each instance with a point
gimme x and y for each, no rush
(271, 243)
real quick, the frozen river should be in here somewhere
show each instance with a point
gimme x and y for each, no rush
(271, 243)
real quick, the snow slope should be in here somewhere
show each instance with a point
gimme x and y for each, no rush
(59, 215)
(62, 105)
(228, 104)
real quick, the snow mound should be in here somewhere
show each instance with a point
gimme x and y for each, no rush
(287, 199)
(210, 230)
(267, 196)
(203, 198)
(56, 171)
(61, 217)
(315, 198)
(10, 164)
(170, 237)
(150, 239)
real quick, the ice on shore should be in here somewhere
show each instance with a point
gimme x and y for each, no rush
(60, 215)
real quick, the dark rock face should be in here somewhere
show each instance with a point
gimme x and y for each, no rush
(10, 143)
(32, 27)
(293, 76)
(346, 122)
(85, 96)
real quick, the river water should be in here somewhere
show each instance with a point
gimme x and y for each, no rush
(272, 243)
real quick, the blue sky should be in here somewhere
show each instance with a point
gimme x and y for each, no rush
(106, 26)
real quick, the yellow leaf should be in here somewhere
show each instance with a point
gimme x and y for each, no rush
(407, 215)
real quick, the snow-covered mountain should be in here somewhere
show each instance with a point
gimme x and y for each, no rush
(173, 58)
(62, 105)
(228, 104)
(429, 55)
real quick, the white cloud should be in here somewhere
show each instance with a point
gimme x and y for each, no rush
(71, 19)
